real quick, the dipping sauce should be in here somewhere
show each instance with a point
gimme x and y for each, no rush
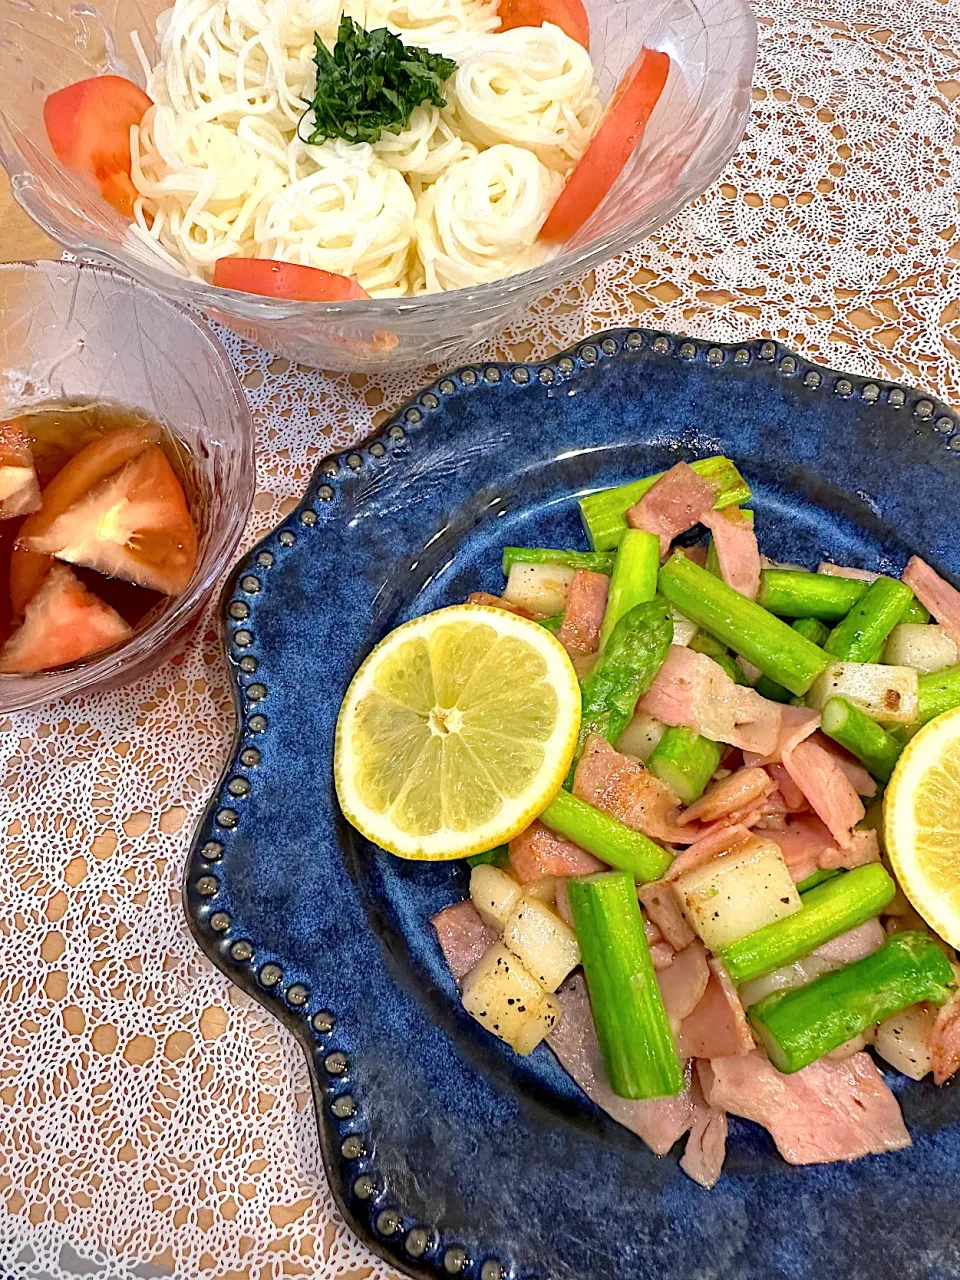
(97, 530)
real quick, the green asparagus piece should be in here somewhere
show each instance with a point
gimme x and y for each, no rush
(606, 838)
(812, 628)
(704, 642)
(780, 653)
(634, 578)
(827, 911)
(712, 562)
(632, 1025)
(685, 761)
(598, 561)
(604, 513)
(497, 857)
(623, 672)
(815, 878)
(865, 628)
(915, 612)
(876, 750)
(553, 623)
(939, 692)
(797, 1027)
(796, 593)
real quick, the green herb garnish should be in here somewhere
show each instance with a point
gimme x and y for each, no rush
(371, 83)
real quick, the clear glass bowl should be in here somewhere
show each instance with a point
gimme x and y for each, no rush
(91, 333)
(46, 44)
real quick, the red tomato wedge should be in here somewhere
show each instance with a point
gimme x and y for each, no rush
(88, 124)
(134, 525)
(19, 490)
(287, 280)
(84, 470)
(569, 15)
(64, 622)
(611, 146)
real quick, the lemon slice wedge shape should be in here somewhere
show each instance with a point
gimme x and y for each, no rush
(921, 821)
(456, 731)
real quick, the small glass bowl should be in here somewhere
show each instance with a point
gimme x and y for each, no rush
(694, 130)
(82, 332)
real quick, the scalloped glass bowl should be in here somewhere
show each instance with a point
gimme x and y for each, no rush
(91, 333)
(46, 44)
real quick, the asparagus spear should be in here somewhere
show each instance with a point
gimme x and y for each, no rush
(828, 910)
(812, 628)
(623, 672)
(865, 628)
(632, 1025)
(685, 761)
(797, 1027)
(915, 612)
(553, 623)
(496, 857)
(604, 513)
(781, 654)
(815, 878)
(796, 593)
(704, 642)
(876, 750)
(939, 691)
(634, 578)
(598, 561)
(606, 838)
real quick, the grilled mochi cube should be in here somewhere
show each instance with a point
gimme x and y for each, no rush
(508, 1000)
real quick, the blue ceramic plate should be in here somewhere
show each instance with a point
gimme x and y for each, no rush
(447, 1153)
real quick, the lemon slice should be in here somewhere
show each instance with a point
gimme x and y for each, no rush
(921, 817)
(456, 732)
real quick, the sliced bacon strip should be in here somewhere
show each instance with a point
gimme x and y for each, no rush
(683, 982)
(796, 723)
(463, 937)
(659, 1121)
(807, 846)
(737, 550)
(793, 798)
(497, 602)
(537, 852)
(945, 1041)
(586, 605)
(864, 847)
(679, 500)
(706, 1147)
(935, 594)
(697, 554)
(730, 794)
(718, 1027)
(627, 790)
(661, 905)
(828, 1111)
(860, 780)
(720, 838)
(846, 571)
(830, 792)
(695, 692)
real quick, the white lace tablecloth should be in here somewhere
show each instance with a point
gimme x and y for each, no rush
(153, 1120)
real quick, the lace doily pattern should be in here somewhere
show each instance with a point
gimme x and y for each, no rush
(153, 1120)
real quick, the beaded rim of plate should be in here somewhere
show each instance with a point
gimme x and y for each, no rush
(421, 1249)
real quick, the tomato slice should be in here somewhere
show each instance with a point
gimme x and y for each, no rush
(85, 469)
(19, 490)
(288, 280)
(64, 622)
(611, 146)
(569, 15)
(134, 525)
(88, 124)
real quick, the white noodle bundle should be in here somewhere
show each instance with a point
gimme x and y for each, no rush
(532, 86)
(352, 218)
(428, 145)
(450, 27)
(479, 220)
